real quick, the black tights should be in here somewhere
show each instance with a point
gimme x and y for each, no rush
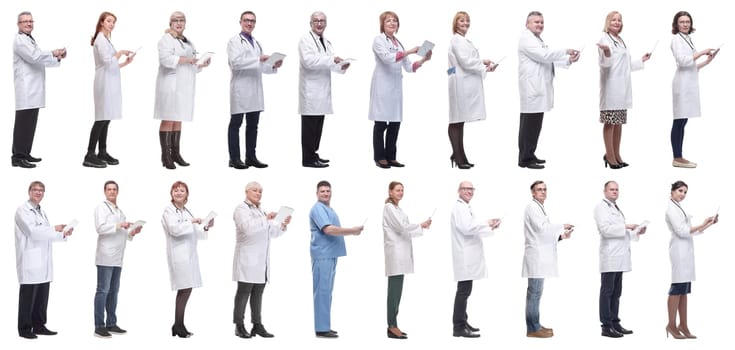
(98, 134)
(182, 297)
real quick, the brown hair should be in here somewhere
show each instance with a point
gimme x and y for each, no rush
(675, 23)
(176, 185)
(36, 183)
(111, 182)
(384, 16)
(392, 186)
(101, 20)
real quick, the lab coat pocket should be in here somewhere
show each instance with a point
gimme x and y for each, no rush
(32, 259)
(181, 254)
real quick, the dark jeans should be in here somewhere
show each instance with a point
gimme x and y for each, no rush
(32, 306)
(311, 136)
(105, 299)
(677, 136)
(395, 289)
(611, 287)
(251, 134)
(23, 132)
(459, 318)
(384, 148)
(245, 290)
(528, 134)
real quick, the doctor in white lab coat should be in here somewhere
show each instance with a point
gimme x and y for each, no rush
(467, 70)
(539, 257)
(175, 85)
(107, 90)
(681, 254)
(398, 233)
(468, 255)
(317, 62)
(29, 73)
(34, 262)
(616, 91)
(251, 264)
(685, 86)
(386, 89)
(182, 231)
(536, 62)
(615, 237)
(247, 63)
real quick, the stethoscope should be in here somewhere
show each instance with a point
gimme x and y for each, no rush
(41, 214)
(613, 205)
(540, 206)
(111, 210)
(680, 208)
(615, 42)
(688, 40)
(243, 40)
(394, 45)
(317, 44)
(181, 213)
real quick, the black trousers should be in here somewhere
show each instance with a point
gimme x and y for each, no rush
(528, 133)
(311, 136)
(611, 287)
(385, 150)
(23, 132)
(459, 318)
(32, 306)
(251, 134)
(253, 291)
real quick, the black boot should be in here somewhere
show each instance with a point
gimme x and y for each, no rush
(260, 330)
(241, 332)
(107, 158)
(91, 161)
(165, 138)
(175, 138)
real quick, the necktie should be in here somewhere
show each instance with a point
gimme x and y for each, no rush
(321, 40)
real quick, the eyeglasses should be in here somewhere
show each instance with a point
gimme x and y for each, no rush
(319, 21)
(543, 189)
(39, 190)
(27, 21)
(178, 20)
(471, 189)
(248, 20)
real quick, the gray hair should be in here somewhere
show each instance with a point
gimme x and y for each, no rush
(533, 13)
(24, 13)
(253, 185)
(317, 13)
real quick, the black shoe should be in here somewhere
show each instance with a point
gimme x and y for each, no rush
(22, 163)
(44, 331)
(473, 329)
(623, 164)
(394, 336)
(382, 164)
(333, 331)
(237, 164)
(465, 333)
(396, 164)
(116, 330)
(102, 332)
(255, 162)
(32, 159)
(315, 164)
(107, 158)
(322, 159)
(611, 332)
(539, 161)
(27, 335)
(532, 166)
(241, 332)
(91, 161)
(622, 330)
(328, 334)
(179, 331)
(611, 165)
(260, 330)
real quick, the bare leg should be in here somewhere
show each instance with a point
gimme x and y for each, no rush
(673, 306)
(607, 136)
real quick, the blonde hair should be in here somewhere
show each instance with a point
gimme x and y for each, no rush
(456, 19)
(609, 18)
(175, 15)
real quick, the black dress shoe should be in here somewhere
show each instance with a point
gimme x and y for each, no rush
(315, 164)
(255, 162)
(322, 159)
(333, 331)
(465, 333)
(44, 331)
(32, 159)
(237, 164)
(611, 332)
(396, 164)
(328, 334)
(622, 330)
(260, 330)
(473, 329)
(27, 335)
(22, 163)
(241, 332)
(382, 164)
(532, 166)
(539, 161)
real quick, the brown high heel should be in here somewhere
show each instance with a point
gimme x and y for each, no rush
(674, 333)
(686, 333)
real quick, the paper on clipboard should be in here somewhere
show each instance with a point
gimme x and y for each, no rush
(206, 221)
(70, 225)
(135, 225)
(205, 57)
(283, 213)
(274, 57)
(425, 48)
(637, 231)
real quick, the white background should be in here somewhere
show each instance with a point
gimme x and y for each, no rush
(570, 141)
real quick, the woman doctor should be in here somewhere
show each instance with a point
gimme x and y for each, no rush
(681, 254)
(467, 70)
(386, 89)
(685, 87)
(251, 265)
(175, 85)
(182, 231)
(397, 235)
(107, 90)
(616, 93)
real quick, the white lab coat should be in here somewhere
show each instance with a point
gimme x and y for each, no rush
(681, 245)
(246, 83)
(107, 84)
(112, 238)
(539, 257)
(466, 92)
(616, 89)
(468, 253)
(176, 83)
(397, 235)
(181, 247)
(315, 75)
(536, 63)
(386, 87)
(685, 87)
(29, 71)
(614, 238)
(253, 235)
(33, 238)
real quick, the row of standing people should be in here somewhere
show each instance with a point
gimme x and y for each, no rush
(255, 228)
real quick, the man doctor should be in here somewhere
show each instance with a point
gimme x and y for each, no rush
(536, 63)
(317, 62)
(468, 256)
(247, 63)
(29, 68)
(34, 262)
(615, 237)
(539, 258)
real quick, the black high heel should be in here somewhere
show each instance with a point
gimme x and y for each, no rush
(612, 166)
(179, 331)
(461, 166)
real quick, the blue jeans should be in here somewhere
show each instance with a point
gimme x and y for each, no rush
(108, 284)
(323, 271)
(533, 300)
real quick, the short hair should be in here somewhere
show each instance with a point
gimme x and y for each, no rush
(248, 12)
(533, 13)
(384, 16)
(36, 183)
(391, 186)
(323, 183)
(675, 23)
(536, 183)
(677, 185)
(175, 15)
(252, 184)
(609, 182)
(24, 13)
(176, 185)
(111, 182)
(317, 13)
(456, 19)
(609, 18)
